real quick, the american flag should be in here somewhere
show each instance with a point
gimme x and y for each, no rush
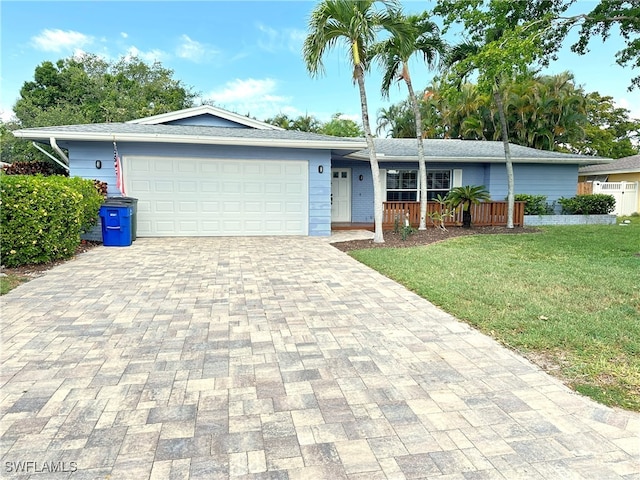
(118, 167)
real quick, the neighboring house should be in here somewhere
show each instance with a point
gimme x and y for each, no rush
(618, 178)
(205, 171)
(625, 169)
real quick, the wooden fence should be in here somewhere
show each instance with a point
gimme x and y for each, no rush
(484, 214)
(585, 188)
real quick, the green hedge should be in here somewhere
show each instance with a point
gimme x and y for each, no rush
(535, 204)
(595, 204)
(42, 217)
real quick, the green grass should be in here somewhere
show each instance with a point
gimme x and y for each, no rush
(568, 297)
(10, 282)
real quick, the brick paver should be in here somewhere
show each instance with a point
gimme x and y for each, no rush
(275, 358)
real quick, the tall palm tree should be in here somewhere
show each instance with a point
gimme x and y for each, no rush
(355, 24)
(422, 37)
(456, 56)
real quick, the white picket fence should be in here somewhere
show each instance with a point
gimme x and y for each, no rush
(625, 193)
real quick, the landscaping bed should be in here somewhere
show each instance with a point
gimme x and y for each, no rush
(428, 236)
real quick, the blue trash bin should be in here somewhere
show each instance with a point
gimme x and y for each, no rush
(116, 225)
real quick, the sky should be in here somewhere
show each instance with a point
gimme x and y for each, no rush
(244, 56)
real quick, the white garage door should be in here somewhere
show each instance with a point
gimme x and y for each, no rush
(211, 197)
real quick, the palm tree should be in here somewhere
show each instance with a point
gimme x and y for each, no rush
(354, 23)
(466, 196)
(456, 57)
(397, 121)
(422, 37)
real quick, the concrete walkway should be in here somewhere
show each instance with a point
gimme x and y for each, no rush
(275, 358)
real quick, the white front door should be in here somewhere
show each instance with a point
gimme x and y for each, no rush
(340, 194)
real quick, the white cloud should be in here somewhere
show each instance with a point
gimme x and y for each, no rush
(124, 34)
(60, 40)
(633, 107)
(150, 56)
(6, 114)
(256, 97)
(193, 50)
(287, 39)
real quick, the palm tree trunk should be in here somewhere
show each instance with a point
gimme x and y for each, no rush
(378, 237)
(421, 161)
(507, 155)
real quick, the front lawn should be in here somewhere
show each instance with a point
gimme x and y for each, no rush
(568, 298)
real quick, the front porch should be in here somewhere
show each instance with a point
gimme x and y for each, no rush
(485, 214)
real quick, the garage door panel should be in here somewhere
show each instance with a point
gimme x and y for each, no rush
(251, 169)
(293, 169)
(273, 169)
(184, 207)
(142, 186)
(209, 187)
(291, 207)
(253, 188)
(163, 165)
(210, 207)
(201, 197)
(188, 187)
(163, 206)
(293, 189)
(273, 188)
(187, 167)
(163, 187)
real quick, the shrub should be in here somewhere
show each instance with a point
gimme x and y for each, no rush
(42, 217)
(31, 168)
(101, 187)
(535, 204)
(594, 204)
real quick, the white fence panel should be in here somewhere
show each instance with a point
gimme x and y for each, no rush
(625, 193)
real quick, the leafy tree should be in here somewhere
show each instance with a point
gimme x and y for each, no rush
(341, 127)
(92, 90)
(498, 50)
(306, 123)
(608, 131)
(337, 127)
(354, 24)
(421, 38)
(88, 89)
(398, 121)
(625, 14)
(281, 120)
(543, 112)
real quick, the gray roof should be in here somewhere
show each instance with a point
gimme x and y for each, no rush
(470, 150)
(389, 149)
(626, 164)
(177, 130)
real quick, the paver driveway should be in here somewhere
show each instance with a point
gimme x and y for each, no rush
(275, 358)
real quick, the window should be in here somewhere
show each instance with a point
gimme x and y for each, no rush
(403, 185)
(438, 183)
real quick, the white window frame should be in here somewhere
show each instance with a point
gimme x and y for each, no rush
(455, 180)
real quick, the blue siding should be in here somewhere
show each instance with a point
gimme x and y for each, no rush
(83, 156)
(554, 181)
(206, 120)
(362, 191)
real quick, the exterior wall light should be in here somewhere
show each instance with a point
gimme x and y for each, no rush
(320, 169)
(98, 164)
(361, 177)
